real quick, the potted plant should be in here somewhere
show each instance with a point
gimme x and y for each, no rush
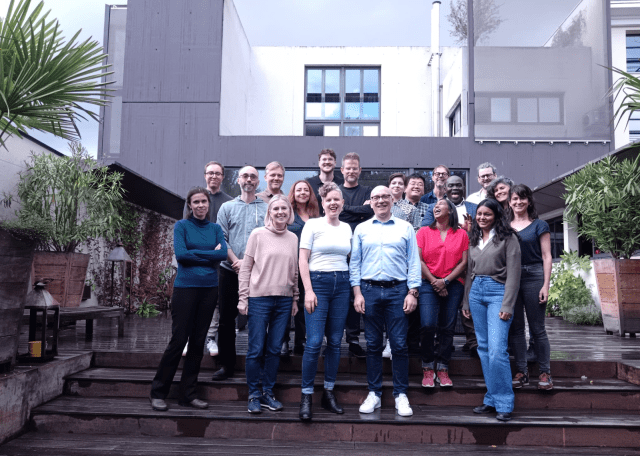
(78, 201)
(604, 197)
(18, 240)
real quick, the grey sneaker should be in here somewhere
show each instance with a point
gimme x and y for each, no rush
(254, 405)
(270, 402)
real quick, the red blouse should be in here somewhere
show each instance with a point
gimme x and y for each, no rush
(442, 257)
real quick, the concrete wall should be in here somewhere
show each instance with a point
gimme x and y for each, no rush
(12, 162)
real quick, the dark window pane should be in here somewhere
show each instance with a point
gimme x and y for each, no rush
(314, 97)
(314, 130)
(427, 172)
(352, 98)
(370, 97)
(332, 98)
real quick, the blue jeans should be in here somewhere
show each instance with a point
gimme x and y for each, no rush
(438, 313)
(266, 321)
(385, 305)
(531, 281)
(485, 300)
(332, 290)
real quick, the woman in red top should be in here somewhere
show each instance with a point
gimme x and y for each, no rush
(443, 255)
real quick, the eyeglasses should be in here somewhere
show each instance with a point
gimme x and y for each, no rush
(213, 174)
(441, 174)
(487, 177)
(380, 197)
(249, 176)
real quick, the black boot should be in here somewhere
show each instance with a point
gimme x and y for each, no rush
(305, 407)
(329, 402)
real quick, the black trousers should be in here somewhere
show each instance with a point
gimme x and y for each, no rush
(298, 321)
(191, 313)
(228, 313)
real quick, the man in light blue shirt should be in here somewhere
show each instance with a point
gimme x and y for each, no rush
(385, 275)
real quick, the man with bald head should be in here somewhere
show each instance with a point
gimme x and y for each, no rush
(237, 218)
(455, 191)
(385, 275)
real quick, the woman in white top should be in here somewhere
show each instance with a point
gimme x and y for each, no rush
(324, 245)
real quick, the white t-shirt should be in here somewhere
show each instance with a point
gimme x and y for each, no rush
(329, 245)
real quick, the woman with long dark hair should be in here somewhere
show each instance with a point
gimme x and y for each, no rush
(305, 207)
(268, 295)
(443, 256)
(199, 247)
(324, 246)
(491, 288)
(535, 276)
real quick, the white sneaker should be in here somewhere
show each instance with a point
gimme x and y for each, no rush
(402, 405)
(371, 403)
(386, 353)
(186, 347)
(212, 347)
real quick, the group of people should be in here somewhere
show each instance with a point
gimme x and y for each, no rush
(333, 250)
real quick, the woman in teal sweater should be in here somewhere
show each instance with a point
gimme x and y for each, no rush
(199, 246)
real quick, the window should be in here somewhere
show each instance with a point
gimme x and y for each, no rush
(633, 53)
(634, 126)
(455, 121)
(342, 101)
(556, 230)
(519, 108)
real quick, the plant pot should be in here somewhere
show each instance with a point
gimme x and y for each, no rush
(16, 257)
(619, 290)
(68, 271)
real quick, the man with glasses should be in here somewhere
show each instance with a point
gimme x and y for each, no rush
(385, 275)
(327, 164)
(486, 173)
(439, 177)
(356, 210)
(213, 177)
(274, 175)
(237, 218)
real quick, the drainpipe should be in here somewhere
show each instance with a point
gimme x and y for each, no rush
(435, 69)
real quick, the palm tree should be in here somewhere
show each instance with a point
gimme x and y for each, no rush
(44, 79)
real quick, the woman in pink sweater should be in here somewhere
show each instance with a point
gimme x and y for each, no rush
(268, 295)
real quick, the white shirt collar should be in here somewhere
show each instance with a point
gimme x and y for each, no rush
(482, 243)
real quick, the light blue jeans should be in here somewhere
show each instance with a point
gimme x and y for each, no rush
(485, 300)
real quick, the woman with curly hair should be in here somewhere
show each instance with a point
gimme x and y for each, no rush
(498, 190)
(305, 207)
(490, 292)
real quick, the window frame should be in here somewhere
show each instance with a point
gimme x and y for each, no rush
(631, 33)
(342, 121)
(514, 96)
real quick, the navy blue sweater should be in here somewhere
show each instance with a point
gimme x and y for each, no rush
(194, 243)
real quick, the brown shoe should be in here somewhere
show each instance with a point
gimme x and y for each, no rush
(545, 382)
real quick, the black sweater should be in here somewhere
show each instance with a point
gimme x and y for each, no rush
(354, 212)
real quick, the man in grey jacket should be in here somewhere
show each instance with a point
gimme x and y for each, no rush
(238, 218)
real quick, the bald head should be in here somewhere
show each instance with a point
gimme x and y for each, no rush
(248, 180)
(455, 189)
(381, 202)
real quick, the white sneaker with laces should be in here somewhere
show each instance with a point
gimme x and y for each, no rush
(386, 353)
(212, 347)
(186, 348)
(371, 403)
(402, 405)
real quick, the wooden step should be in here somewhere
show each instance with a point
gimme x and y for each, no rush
(37, 443)
(81, 445)
(461, 364)
(439, 425)
(568, 393)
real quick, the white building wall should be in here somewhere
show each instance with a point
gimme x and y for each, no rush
(13, 161)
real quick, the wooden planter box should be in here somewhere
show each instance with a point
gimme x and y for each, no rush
(15, 259)
(619, 290)
(68, 271)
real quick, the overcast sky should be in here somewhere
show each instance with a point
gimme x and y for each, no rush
(327, 23)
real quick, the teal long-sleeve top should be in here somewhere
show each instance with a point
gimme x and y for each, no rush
(194, 243)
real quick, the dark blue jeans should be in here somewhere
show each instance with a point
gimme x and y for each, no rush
(485, 301)
(531, 281)
(385, 305)
(438, 313)
(332, 290)
(266, 321)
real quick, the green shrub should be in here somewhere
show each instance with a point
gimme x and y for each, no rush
(585, 315)
(568, 291)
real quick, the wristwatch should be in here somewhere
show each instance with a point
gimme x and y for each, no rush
(413, 293)
(446, 282)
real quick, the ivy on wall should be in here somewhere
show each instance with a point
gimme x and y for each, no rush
(148, 239)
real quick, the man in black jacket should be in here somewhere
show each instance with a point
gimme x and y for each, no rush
(327, 164)
(355, 211)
